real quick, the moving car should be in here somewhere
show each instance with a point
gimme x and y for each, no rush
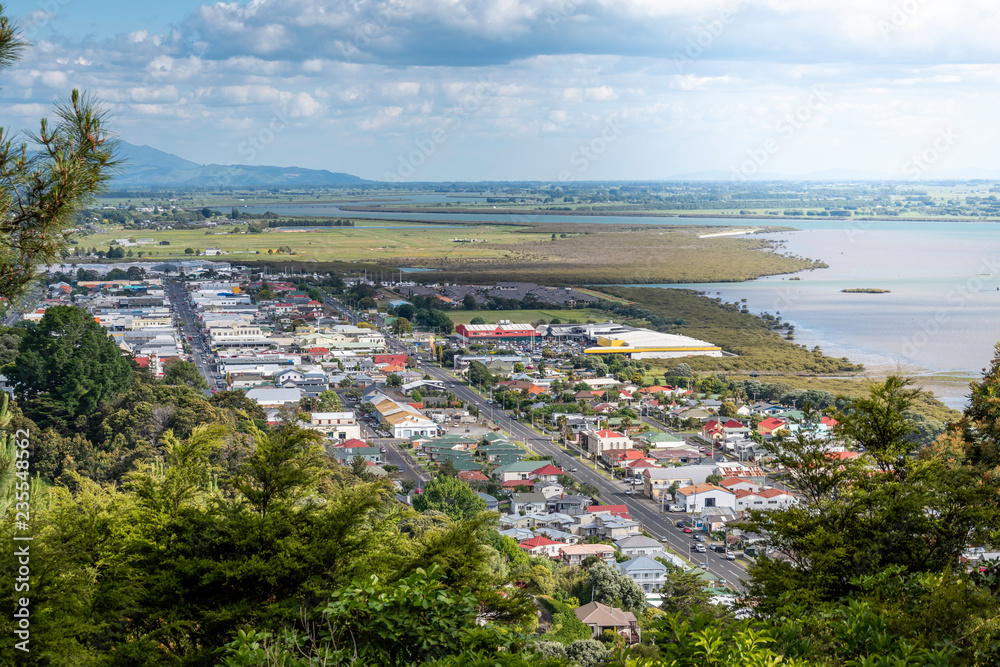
(700, 548)
(730, 555)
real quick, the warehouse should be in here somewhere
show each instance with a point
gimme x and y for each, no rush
(647, 344)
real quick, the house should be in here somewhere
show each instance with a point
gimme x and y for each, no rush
(621, 458)
(764, 500)
(337, 425)
(659, 480)
(643, 570)
(596, 442)
(547, 473)
(519, 470)
(575, 554)
(699, 496)
(527, 503)
(735, 484)
(771, 425)
(573, 505)
(601, 617)
(640, 545)
(473, 476)
(549, 489)
(269, 397)
(492, 504)
(542, 546)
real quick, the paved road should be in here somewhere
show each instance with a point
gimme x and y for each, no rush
(643, 510)
(202, 357)
(23, 303)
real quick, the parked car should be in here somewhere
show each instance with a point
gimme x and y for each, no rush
(700, 548)
(699, 538)
(687, 529)
(628, 492)
(719, 548)
(382, 449)
(682, 524)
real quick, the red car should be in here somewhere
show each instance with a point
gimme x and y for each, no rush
(687, 530)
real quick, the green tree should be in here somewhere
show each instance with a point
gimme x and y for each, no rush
(857, 518)
(67, 366)
(610, 587)
(185, 373)
(393, 380)
(401, 326)
(48, 179)
(477, 320)
(285, 466)
(451, 496)
(267, 295)
(329, 401)
(469, 302)
(447, 468)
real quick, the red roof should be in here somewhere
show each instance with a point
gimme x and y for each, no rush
(539, 541)
(828, 421)
(473, 476)
(318, 351)
(841, 455)
(548, 469)
(399, 359)
(732, 423)
(616, 510)
(771, 493)
(514, 483)
(770, 424)
(609, 434)
(142, 362)
(418, 406)
(354, 442)
(732, 481)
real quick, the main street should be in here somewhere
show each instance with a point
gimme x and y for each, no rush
(201, 356)
(645, 511)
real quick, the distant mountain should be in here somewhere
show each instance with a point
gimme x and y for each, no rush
(145, 166)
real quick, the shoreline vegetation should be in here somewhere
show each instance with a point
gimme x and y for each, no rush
(865, 290)
(761, 347)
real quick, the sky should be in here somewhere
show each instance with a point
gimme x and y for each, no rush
(546, 90)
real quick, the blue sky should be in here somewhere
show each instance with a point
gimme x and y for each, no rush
(531, 89)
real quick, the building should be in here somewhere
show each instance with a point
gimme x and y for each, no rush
(649, 574)
(269, 397)
(601, 617)
(595, 442)
(504, 331)
(338, 425)
(647, 344)
(699, 496)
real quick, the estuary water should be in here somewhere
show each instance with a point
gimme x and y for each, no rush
(941, 314)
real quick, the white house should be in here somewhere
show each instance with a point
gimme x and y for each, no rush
(643, 570)
(699, 496)
(764, 500)
(339, 425)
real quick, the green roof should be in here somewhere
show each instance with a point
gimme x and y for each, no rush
(525, 466)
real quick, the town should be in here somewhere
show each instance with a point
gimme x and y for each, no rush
(578, 463)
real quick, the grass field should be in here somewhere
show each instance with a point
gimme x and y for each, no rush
(528, 316)
(386, 243)
(588, 254)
